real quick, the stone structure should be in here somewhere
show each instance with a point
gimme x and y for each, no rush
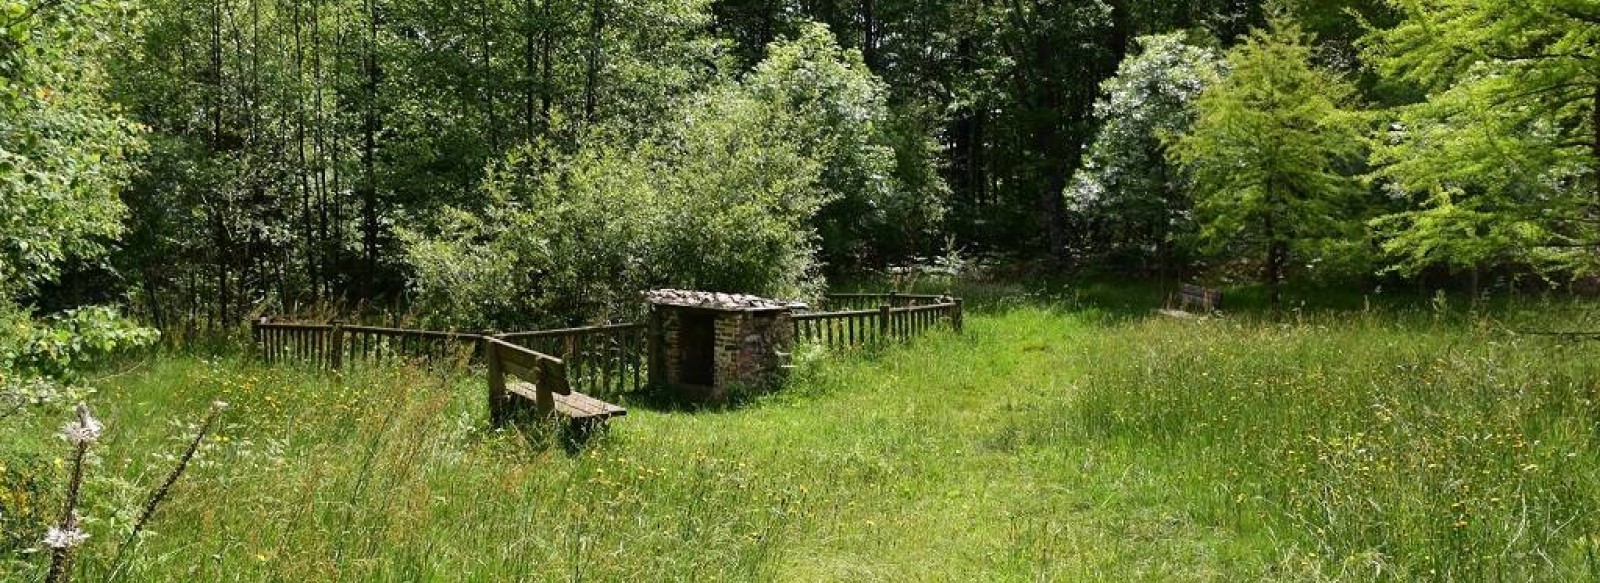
(702, 343)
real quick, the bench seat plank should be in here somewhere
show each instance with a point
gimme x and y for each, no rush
(578, 406)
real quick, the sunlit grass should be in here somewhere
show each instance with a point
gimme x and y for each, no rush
(1045, 443)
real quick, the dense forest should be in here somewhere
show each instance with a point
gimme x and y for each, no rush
(492, 164)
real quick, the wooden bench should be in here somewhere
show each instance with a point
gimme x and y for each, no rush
(1207, 299)
(581, 408)
(544, 392)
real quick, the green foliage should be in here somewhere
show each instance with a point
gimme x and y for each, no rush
(886, 196)
(1271, 153)
(42, 359)
(64, 157)
(559, 243)
(1134, 199)
(58, 346)
(1459, 235)
(1510, 129)
(63, 148)
(726, 197)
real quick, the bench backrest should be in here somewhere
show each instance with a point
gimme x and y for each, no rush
(1205, 298)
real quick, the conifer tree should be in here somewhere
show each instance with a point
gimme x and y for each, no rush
(1270, 153)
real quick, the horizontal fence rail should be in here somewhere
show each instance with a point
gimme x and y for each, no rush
(332, 345)
(597, 360)
(860, 327)
(845, 328)
(600, 361)
(872, 301)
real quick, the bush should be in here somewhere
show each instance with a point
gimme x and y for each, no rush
(727, 195)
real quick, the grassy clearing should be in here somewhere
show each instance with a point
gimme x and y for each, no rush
(1050, 442)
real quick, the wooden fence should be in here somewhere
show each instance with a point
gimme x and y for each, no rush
(872, 301)
(600, 361)
(858, 327)
(332, 345)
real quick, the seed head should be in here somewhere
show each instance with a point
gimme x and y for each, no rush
(85, 430)
(64, 538)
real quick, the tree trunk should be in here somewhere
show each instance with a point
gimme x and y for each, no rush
(487, 78)
(546, 90)
(1121, 30)
(528, 74)
(1276, 251)
(319, 149)
(869, 35)
(302, 168)
(591, 82)
(1594, 144)
(369, 179)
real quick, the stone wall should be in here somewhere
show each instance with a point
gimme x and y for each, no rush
(665, 362)
(751, 349)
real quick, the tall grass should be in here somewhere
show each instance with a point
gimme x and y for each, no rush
(1052, 441)
(1369, 445)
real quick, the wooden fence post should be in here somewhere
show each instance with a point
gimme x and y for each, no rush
(955, 319)
(256, 336)
(336, 345)
(497, 384)
(884, 314)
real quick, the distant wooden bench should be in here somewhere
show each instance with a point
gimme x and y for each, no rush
(544, 392)
(1207, 299)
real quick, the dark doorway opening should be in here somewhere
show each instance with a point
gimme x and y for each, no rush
(697, 348)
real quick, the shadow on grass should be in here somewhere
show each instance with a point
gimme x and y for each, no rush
(541, 434)
(668, 399)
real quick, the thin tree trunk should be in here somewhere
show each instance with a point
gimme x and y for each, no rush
(546, 80)
(1275, 253)
(221, 252)
(319, 147)
(591, 84)
(869, 35)
(1594, 144)
(487, 77)
(528, 74)
(369, 130)
(336, 163)
(302, 169)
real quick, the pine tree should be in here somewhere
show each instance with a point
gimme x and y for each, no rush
(1270, 153)
(1507, 142)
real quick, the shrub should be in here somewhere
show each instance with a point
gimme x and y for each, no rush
(724, 196)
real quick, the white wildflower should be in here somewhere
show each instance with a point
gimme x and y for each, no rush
(85, 430)
(64, 538)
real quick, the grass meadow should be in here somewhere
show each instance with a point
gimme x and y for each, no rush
(1067, 435)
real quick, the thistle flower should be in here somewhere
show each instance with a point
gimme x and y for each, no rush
(85, 430)
(64, 538)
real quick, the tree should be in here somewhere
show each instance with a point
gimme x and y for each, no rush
(1272, 151)
(1132, 199)
(725, 196)
(885, 194)
(1509, 132)
(64, 156)
(63, 148)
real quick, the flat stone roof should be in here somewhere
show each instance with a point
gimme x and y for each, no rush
(714, 300)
